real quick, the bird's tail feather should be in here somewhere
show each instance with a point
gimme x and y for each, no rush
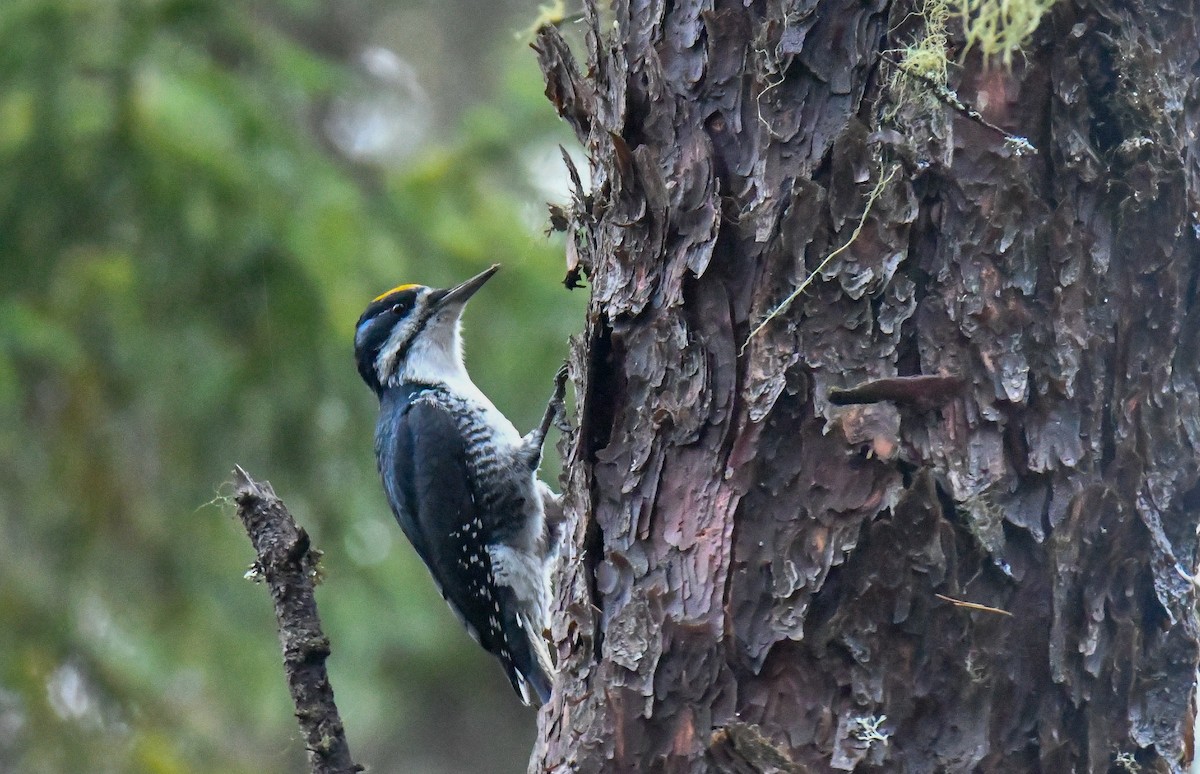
(532, 670)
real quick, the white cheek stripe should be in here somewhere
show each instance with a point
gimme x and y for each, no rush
(385, 363)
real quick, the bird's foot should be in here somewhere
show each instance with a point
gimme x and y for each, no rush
(557, 408)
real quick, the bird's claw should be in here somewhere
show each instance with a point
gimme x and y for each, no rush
(556, 412)
(558, 403)
(560, 383)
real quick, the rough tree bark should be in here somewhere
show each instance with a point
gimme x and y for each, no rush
(768, 581)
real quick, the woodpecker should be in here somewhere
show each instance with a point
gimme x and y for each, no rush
(460, 479)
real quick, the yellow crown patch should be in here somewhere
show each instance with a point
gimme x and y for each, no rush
(396, 289)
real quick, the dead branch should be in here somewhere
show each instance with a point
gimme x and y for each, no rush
(288, 564)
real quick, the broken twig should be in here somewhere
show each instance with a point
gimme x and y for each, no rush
(923, 392)
(288, 564)
(1016, 143)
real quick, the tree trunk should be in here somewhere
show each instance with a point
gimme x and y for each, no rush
(762, 580)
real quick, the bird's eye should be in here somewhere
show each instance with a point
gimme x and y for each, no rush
(398, 309)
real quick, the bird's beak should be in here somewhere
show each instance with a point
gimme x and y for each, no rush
(460, 293)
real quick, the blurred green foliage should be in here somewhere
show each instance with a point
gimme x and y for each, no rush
(183, 256)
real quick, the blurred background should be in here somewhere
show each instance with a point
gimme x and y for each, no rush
(197, 199)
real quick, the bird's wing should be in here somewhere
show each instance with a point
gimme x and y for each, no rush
(431, 495)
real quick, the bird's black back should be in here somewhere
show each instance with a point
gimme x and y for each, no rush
(439, 462)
